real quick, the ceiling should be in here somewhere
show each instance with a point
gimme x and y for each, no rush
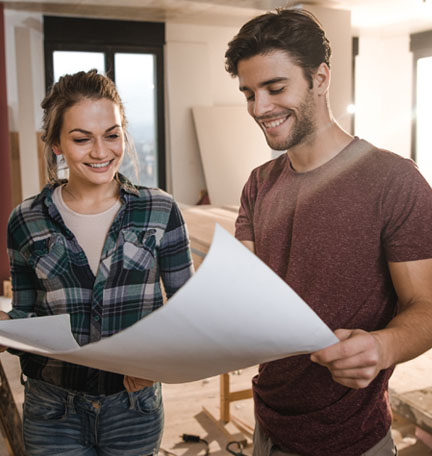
(376, 16)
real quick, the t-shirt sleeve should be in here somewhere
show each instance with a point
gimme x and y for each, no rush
(244, 224)
(407, 214)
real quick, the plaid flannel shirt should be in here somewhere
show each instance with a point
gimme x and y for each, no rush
(146, 243)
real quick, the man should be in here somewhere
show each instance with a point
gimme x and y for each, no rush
(348, 227)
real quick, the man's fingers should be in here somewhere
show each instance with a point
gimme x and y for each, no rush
(354, 383)
(357, 342)
(343, 334)
(365, 373)
(364, 359)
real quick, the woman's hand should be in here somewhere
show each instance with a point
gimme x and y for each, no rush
(135, 384)
(3, 316)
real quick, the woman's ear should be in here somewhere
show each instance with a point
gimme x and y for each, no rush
(322, 79)
(56, 149)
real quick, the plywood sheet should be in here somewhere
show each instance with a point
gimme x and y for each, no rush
(231, 145)
(201, 222)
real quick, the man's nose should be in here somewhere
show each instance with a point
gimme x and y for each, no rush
(261, 105)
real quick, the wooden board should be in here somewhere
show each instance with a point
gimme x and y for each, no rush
(411, 391)
(15, 169)
(201, 221)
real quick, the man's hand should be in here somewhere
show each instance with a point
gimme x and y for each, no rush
(3, 316)
(135, 384)
(355, 361)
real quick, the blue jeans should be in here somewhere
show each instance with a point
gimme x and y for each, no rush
(57, 421)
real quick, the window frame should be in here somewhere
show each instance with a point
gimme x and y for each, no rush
(420, 46)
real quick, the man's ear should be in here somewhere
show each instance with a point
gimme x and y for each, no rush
(321, 79)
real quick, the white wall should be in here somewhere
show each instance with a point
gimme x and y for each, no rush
(383, 91)
(337, 26)
(195, 76)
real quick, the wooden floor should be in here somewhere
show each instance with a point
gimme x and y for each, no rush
(184, 412)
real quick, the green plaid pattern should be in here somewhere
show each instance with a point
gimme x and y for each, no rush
(146, 243)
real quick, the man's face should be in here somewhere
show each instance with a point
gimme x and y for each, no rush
(278, 98)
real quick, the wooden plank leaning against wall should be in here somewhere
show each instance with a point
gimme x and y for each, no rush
(16, 166)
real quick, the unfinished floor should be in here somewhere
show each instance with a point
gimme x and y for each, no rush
(185, 415)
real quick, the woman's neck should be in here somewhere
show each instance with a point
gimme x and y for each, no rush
(90, 199)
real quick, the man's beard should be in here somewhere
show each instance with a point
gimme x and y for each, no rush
(303, 127)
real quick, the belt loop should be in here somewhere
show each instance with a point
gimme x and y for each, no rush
(70, 400)
(131, 400)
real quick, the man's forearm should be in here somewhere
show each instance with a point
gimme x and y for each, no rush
(408, 335)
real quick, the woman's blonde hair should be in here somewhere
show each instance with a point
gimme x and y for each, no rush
(68, 91)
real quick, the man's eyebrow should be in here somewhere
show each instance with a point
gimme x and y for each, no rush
(81, 130)
(265, 83)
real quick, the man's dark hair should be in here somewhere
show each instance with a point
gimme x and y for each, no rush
(295, 31)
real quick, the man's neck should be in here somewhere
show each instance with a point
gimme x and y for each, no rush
(318, 149)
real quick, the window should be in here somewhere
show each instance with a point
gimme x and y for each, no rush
(421, 46)
(130, 53)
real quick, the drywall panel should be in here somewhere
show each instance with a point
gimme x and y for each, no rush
(231, 145)
(187, 71)
(383, 95)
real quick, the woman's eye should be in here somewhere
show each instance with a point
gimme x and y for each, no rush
(113, 136)
(80, 140)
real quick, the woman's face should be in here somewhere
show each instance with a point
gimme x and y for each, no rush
(92, 141)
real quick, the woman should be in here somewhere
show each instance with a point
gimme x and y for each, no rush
(94, 246)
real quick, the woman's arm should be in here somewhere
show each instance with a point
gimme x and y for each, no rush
(175, 259)
(22, 274)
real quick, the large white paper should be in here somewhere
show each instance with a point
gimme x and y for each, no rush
(233, 313)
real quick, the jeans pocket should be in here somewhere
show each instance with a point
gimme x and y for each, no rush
(147, 400)
(41, 406)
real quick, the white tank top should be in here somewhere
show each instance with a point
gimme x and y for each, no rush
(90, 230)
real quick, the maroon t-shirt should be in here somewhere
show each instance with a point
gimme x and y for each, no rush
(329, 233)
